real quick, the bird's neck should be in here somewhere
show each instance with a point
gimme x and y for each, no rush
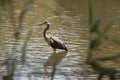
(44, 33)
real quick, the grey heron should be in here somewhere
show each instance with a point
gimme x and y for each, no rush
(54, 42)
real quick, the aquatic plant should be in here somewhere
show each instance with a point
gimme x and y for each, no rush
(11, 61)
(96, 38)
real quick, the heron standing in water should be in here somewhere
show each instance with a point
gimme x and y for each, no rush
(54, 42)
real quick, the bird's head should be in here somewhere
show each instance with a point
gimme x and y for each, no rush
(47, 23)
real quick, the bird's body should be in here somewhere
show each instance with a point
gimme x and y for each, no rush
(54, 42)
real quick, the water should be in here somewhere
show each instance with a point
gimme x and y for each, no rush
(69, 23)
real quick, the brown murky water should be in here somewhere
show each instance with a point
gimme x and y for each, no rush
(69, 23)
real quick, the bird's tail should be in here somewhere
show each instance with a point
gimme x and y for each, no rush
(66, 49)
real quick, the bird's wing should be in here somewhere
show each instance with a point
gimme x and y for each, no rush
(56, 43)
(55, 40)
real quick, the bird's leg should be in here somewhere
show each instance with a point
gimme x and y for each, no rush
(54, 50)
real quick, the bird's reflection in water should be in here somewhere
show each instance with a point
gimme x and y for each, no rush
(54, 59)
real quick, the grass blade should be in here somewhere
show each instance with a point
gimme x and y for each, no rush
(107, 28)
(90, 12)
(94, 26)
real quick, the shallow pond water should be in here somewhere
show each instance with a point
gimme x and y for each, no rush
(69, 23)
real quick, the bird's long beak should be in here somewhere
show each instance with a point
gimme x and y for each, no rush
(44, 23)
(41, 23)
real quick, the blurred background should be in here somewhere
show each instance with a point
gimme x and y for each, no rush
(21, 36)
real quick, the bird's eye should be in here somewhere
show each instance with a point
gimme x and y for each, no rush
(45, 22)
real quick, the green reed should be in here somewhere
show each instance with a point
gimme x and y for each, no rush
(11, 61)
(97, 37)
